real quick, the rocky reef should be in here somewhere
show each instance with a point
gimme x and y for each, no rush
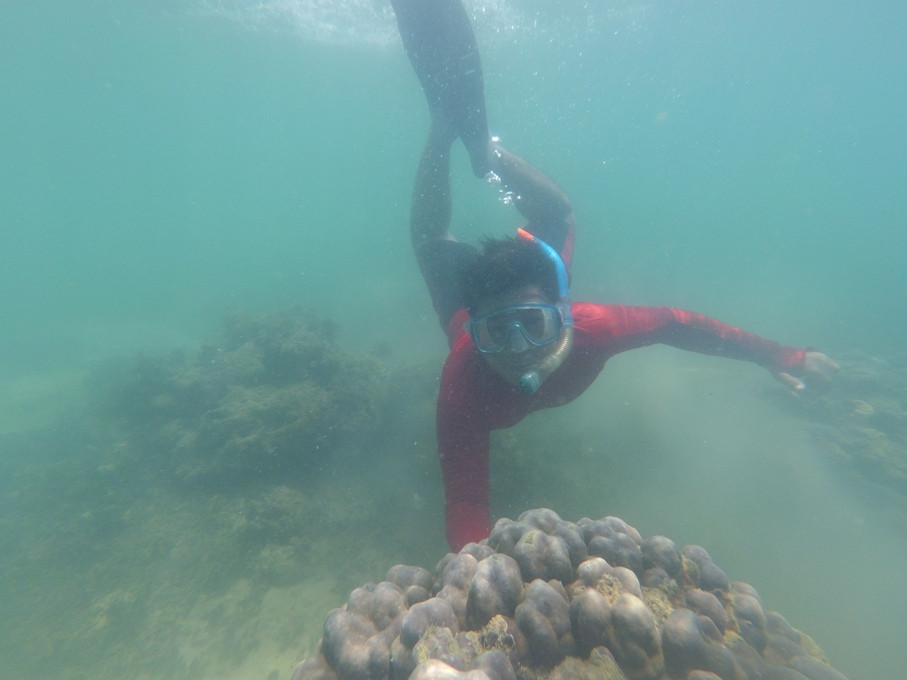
(185, 507)
(546, 598)
(276, 394)
(860, 419)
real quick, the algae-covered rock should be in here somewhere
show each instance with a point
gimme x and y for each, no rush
(278, 394)
(860, 418)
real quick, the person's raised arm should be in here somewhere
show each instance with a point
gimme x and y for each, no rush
(537, 197)
(429, 218)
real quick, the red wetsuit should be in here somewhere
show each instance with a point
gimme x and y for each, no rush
(474, 400)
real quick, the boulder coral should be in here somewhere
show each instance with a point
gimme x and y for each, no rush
(546, 598)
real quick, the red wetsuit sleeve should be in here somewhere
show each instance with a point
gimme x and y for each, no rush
(628, 327)
(469, 406)
(463, 441)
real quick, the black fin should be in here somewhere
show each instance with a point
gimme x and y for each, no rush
(441, 46)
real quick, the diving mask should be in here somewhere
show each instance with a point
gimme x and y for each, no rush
(516, 328)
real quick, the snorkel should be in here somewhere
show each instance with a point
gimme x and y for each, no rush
(532, 380)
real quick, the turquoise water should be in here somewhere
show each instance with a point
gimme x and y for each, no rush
(164, 162)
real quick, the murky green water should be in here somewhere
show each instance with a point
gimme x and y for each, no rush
(165, 162)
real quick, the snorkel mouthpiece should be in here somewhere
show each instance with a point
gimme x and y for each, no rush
(532, 380)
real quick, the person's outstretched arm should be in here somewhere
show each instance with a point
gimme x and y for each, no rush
(626, 327)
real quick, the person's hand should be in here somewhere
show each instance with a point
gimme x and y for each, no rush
(817, 369)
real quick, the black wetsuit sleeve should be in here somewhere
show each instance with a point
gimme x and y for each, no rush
(442, 263)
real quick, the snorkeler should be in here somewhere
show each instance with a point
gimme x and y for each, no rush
(517, 342)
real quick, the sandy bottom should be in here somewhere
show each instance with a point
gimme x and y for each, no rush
(104, 577)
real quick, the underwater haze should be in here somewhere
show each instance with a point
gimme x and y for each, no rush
(188, 186)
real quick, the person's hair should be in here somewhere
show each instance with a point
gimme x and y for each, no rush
(504, 265)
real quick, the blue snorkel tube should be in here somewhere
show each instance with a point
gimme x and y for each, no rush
(532, 380)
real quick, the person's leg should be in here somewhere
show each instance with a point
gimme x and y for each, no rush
(440, 256)
(441, 46)
(547, 209)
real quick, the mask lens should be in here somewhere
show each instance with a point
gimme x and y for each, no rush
(539, 325)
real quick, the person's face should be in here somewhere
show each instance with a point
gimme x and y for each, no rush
(517, 358)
